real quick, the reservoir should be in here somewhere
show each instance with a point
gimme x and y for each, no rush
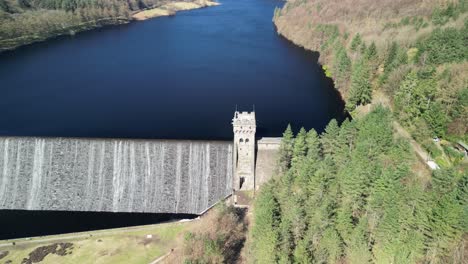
(177, 77)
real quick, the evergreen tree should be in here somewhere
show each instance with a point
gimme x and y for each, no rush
(371, 51)
(299, 148)
(436, 119)
(286, 247)
(356, 42)
(446, 224)
(346, 143)
(403, 107)
(301, 253)
(344, 222)
(329, 139)
(444, 45)
(341, 64)
(265, 232)
(313, 146)
(330, 244)
(286, 149)
(354, 199)
(361, 90)
(357, 250)
(363, 49)
(391, 57)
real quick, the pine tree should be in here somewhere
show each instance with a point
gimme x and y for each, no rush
(404, 108)
(286, 247)
(344, 222)
(346, 143)
(341, 64)
(436, 119)
(329, 139)
(361, 90)
(391, 57)
(446, 223)
(313, 146)
(357, 250)
(330, 247)
(265, 232)
(371, 51)
(301, 253)
(356, 42)
(286, 149)
(363, 49)
(299, 148)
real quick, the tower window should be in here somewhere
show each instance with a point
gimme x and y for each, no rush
(246, 140)
(241, 140)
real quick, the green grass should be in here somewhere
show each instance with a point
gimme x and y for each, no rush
(107, 246)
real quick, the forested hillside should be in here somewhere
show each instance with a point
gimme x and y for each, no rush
(26, 21)
(358, 193)
(351, 195)
(409, 53)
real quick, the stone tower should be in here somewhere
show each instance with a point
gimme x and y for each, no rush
(244, 150)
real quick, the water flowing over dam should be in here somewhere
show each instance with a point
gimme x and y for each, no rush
(113, 175)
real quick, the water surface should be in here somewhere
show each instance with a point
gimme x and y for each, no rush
(17, 223)
(175, 77)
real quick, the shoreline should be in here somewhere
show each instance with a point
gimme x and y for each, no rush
(170, 9)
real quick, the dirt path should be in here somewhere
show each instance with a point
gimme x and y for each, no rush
(380, 98)
(422, 154)
(161, 258)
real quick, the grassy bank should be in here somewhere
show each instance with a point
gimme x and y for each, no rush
(124, 245)
(218, 236)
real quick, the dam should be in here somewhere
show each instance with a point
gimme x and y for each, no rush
(113, 175)
(133, 175)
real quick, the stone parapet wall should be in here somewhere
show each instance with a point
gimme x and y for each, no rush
(267, 159)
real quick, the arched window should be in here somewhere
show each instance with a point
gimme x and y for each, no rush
(246, 140)
(241, 140)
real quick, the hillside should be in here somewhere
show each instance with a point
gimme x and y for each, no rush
(27, 21)
(411, 52)
(357, 193)
(354, 194)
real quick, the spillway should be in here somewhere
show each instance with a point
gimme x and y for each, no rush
(113, 175)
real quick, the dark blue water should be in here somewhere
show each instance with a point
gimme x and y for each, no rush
(172, 77)
(17, 223)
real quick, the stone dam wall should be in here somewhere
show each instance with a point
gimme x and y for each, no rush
(113, 175)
